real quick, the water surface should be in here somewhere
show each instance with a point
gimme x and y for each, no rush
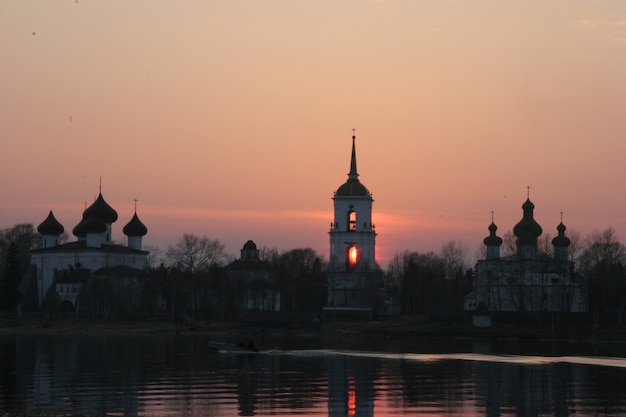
(178, 375)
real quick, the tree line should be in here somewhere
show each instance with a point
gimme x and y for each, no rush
(189, 276)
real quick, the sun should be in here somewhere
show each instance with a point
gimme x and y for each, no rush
(353, 255)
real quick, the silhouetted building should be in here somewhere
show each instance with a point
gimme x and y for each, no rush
(527, 281)
(93, 249)
(253, 280)
(353, 288)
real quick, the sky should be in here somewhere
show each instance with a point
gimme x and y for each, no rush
(233, 119)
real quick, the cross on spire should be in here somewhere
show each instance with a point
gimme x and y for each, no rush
(353, 172)
(135, 200)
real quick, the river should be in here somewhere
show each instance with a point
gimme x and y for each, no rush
(177, 375)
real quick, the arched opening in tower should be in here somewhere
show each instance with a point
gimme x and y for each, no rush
(352, 221)
(353, 256)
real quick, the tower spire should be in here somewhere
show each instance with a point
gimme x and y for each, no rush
(353, 172)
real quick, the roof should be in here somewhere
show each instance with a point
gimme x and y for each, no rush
(561, 240)
(50, 226)
(135, 227)
(81, 245)
(247, 265)
(492, 239)
(352, 187)
(122, 271)
(94, 224)
(527, 230)
(250, 245)
(103, 209)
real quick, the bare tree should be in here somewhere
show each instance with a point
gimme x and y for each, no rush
(601, 264)
(601, 247)
(576, 245)
(24, 237)
(193, 254)
(269, 254)
(156, 256)
(454, 256)
(544, 245)
(509, 244)
(301, 277)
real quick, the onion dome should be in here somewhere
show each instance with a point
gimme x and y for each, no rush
(492, 239)
(135, 227)
(352, 187)
(527, 230)
(79, 229)
(102, 209)
(94, 224)
(50, 226)
(561, 240)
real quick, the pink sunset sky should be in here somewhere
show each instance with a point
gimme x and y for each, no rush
(232, 119)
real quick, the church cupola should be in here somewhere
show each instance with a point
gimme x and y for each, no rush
(527, 232)
(249, 252)
(135, 230)
(94, 228)
(493, 242)
(561, 242)
(50, 229)
(79, 230)
(105, 212)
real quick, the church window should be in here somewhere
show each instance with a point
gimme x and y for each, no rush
(353, 257)
(352, 221)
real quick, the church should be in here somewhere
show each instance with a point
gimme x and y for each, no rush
(353, 281)
(55, 263)
(527, 282)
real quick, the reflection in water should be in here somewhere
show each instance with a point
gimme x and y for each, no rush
(155, 376)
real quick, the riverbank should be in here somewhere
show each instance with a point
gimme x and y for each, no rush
(399, 328)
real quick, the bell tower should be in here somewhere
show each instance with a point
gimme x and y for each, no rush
(352, 267)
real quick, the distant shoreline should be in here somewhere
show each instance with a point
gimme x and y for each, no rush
(401, 328)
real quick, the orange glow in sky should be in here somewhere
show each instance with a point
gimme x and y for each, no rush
(232, 119)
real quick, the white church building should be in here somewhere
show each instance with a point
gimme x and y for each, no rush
(527, 282)
(92, 250)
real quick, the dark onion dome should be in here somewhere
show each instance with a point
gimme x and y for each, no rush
(103, 209)
(527, 230)
(79, 229)
(50, 226)
(135, 227)
(492, 239)
(94, 224)
(352, 187)
(250, 245)
(561, 240)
